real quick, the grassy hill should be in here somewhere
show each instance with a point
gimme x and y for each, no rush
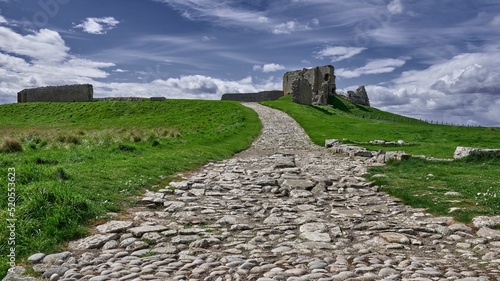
(359, 124)
(462, 188)
(77, 161)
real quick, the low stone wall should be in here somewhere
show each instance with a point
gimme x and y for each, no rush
(119, 99)
(253, 97)
(67, 93)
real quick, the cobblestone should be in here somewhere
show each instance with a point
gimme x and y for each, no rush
(285, 209)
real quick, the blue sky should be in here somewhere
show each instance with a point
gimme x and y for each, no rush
(434, 60)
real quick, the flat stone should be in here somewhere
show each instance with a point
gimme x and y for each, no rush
(92, 242)
(482, 221)
(393, 237)
(114, 226)
(347, 213)
(313, 227)
(298, 184)
(140, 230)
(489, 233)
(36, 258)
(316, 236)
(184, 239)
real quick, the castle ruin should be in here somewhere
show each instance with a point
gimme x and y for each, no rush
(310, 86)
(67, 93)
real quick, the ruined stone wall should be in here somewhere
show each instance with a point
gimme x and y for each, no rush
(360, 96)
(253, 97)
(321, 80)
(67, 93)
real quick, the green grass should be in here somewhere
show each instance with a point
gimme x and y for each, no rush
(419, 183)
(360, 124)
(82, 160)
(425, 184)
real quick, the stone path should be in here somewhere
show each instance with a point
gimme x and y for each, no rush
(285, 209)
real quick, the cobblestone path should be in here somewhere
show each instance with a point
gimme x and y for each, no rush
(285, 209)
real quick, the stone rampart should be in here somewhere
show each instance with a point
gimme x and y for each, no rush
(67, 93)
(321, 80)
(253, 97)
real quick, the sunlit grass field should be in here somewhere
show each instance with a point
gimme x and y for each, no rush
(75, 162)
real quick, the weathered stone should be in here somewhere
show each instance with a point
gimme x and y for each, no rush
(58, 258)
(316, 236)
(67, 93)
(298, 184)
(393, 237)
(482, 221)
(114, 226)
(36, 258)
(92, 242)
(461, 152)
(140, 230)
(320, 84)
(301, 91)
(489, 233)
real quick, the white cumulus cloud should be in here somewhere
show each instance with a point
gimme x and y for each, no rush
(98, 25)
(338, 53)
(462, 90)
(270, 67)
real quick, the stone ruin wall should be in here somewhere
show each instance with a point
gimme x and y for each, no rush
(360, 96)
(253, 97)
(321, 81)
(67, 93)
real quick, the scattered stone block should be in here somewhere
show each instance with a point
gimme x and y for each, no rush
(461, 152)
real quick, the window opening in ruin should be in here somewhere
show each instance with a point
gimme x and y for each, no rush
(327, 77)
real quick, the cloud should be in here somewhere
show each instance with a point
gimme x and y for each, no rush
(207, 38)
(373, 67)
(338, 53)
(496, 21)
(119, 70)
(462, 90)
(187, 87)
(293, 26)
(41, 58)
(44, 45)
(395, 7)
(98, 25)
(271, 67)
(221, 12)
(3, 20)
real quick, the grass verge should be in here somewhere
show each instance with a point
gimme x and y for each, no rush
(361, 124)
(81, 160)
(467, 187)
(462, 188)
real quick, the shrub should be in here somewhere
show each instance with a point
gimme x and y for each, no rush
(11, 145)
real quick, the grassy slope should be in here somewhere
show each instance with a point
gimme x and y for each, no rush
(359, 124)
(417, 182)
(81, 160)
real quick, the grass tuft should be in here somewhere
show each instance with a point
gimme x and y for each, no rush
(11, 145)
